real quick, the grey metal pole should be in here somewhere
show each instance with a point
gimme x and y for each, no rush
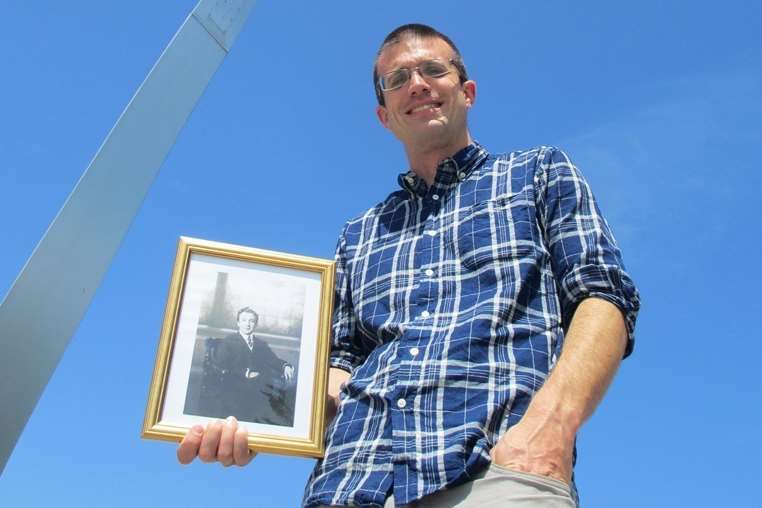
(46, 303)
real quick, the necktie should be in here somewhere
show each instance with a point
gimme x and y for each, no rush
(250, 342)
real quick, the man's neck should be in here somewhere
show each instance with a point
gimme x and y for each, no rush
(424, 163)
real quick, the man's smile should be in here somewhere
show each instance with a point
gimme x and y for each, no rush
(429, 105)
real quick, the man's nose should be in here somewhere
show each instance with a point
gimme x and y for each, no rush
(417, 83)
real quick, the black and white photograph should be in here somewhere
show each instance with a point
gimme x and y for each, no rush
(247, 344)
(245, 335)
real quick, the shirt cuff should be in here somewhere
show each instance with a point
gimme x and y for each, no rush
(608, 282)
(344, 361)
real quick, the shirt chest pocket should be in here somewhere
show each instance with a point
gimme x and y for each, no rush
(499, 230)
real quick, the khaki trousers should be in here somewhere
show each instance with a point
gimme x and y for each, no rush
(498, 487)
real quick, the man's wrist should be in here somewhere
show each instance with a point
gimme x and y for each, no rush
(550, 409)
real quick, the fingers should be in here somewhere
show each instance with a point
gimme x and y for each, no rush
(241, 453)
(210, 442)
(226, 442)
(225, 450)
(189, 446)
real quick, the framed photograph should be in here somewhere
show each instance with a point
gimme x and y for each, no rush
(245, 333)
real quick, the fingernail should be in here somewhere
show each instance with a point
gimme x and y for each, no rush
(231, 420)
(197, 430)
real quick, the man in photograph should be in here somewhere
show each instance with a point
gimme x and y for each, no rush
(244, 378)
(481, 312)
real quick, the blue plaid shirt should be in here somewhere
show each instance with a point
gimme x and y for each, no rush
(451, 306)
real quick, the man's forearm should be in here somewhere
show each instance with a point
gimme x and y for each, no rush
(542, 442)
(592, 351)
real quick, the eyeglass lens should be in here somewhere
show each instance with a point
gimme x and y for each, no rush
(428, 69)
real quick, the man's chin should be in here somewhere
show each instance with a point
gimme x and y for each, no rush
(433, 134)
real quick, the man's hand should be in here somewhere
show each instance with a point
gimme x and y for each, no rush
(223, 442)
(539, 445)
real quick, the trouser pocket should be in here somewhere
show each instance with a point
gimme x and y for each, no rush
(539, 481)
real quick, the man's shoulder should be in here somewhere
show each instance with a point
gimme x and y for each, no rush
(390, 204)
(530, 156)
(232, 340)
(258, 341)
(533, 166)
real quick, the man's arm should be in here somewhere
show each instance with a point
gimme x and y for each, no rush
(336, 378)
(543, 440)
(267, 357)
(599, 302)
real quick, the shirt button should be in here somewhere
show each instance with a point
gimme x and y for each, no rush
(462, 175)
(401, 403)
(435, 197)
(414, 351)
(425, 314)
(429, 272)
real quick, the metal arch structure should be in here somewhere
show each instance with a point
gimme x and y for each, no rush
(43, 308)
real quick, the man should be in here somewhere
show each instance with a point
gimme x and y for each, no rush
(455, 298)
(250, 377)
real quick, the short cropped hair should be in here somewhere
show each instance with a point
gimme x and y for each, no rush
(415, 30)
(248, 310)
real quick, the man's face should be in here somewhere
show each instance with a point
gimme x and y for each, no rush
(425, 113)
(246, 323)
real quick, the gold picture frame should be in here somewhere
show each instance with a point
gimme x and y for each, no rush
(286, 300)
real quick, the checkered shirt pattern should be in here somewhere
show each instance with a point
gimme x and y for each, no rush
(451, 305)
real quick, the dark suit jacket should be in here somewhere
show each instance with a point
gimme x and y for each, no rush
(255, 400)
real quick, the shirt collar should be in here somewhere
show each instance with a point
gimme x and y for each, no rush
(450, 170)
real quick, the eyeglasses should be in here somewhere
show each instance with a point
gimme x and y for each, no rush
(427, 69)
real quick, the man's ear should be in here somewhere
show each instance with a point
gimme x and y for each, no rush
(469, 90)
(383, 116)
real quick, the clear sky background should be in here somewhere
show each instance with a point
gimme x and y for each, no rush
(658, 103)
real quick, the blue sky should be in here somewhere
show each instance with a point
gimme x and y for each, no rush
(658, 103)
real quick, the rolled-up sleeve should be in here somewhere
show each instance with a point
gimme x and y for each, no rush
(346, 352)
(585, 258)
